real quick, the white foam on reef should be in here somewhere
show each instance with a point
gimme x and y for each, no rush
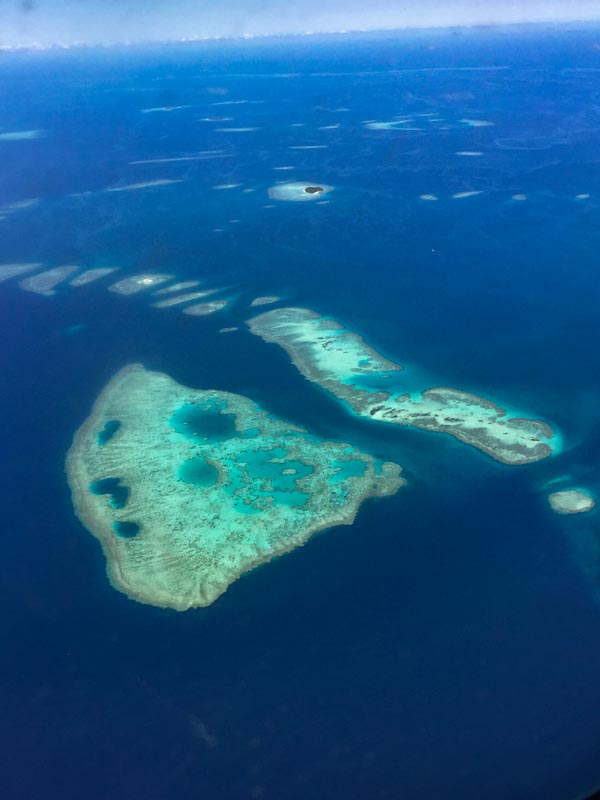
(44, 282)
(209, 154)
(91, 275)
(581, 196)
(20, 136)
(133, 187)
(222, 186)
(461, 195)
(298, 191)
(428, 197)
(8, 271)
(476, 123)
(163, 108)
(204, 309)
(471, 153)
(392, 125)
(183, 298)
(178, 287)
(283, 169)
(228, 330)
(138, 283)
(19, 205)
(229, 103)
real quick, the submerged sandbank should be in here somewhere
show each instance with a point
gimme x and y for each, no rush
(91, 275)
(138, 283)
(203, 309)
(8, 271)
(45, 282)
(183, 298)
(178, 287)
(265, 300)
(20, 136)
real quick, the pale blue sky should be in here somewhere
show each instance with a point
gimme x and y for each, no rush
(66, 21)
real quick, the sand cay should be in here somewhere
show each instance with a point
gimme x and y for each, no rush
(298, 191)
(571, 501)
(187, 489)
(138, 283)
(341, 362)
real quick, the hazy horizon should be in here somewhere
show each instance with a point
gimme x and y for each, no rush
(46, 22)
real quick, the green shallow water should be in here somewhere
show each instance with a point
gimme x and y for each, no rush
(198, 472)
(348, 469)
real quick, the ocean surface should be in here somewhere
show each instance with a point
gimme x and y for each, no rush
(446, 645)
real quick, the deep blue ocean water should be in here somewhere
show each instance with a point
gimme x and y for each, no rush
(447, 645)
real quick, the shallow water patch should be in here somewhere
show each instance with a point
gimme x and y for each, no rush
(108, 431)
(118, 494)
(348, 469)
(126, 530)
(198, 472)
